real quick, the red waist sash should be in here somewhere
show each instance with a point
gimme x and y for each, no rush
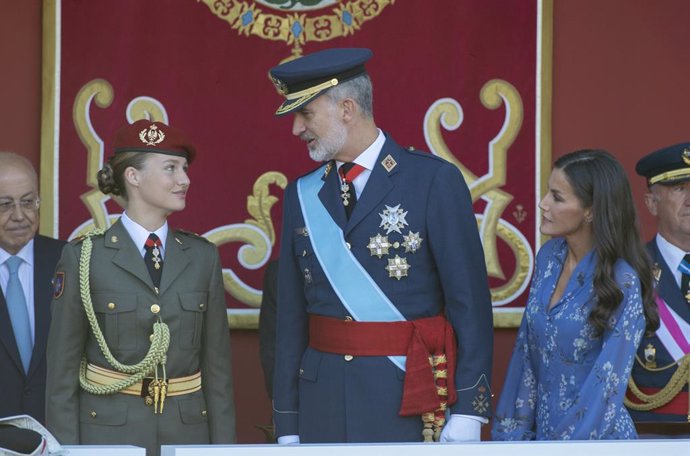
(677, 406)
(418, 340)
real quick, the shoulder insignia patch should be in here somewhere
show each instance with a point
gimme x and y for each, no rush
(58, 284)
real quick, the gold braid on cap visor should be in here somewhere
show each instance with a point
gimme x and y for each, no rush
(301, 97)
(676, 173)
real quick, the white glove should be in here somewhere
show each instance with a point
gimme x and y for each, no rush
(462, 428)
(288, 439)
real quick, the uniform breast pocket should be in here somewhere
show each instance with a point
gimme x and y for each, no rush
(117, 316)
(194, 305)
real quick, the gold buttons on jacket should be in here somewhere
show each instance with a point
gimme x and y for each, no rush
(348, 358)
(347, 244)
(151, 338)
(111, 305)
(203, 413)
(201, 306)
(93, 414)
(348, 318)
(155, 308)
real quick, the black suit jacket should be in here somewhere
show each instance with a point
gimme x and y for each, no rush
(22, 393)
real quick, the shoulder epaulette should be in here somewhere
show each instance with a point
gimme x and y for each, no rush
(94, 232)
(191, 234)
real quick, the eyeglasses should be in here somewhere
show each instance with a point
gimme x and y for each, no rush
(26, 205)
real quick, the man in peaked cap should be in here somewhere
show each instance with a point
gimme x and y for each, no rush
(381, 269)
(667, 172)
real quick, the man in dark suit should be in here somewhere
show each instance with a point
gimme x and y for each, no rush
(381, 269)
(661, 355)
(25, 318)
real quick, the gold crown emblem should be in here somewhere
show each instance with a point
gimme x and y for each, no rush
(151, 136)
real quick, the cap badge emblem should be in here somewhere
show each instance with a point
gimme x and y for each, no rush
(281, 87)
(686, 156)
(151, 136)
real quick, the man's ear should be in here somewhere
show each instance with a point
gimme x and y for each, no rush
(650, 200)
(348, 109)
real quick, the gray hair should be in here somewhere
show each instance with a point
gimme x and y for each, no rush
(359, 89)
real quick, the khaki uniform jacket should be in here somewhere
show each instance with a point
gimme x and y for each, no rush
(192, 304)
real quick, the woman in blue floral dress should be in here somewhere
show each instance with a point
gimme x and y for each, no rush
(589, 305)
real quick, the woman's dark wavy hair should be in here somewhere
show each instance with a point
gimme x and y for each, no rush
(600, 183)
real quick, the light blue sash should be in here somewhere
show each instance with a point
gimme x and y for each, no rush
(358, 292)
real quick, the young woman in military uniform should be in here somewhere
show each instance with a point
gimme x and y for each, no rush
(139, 349)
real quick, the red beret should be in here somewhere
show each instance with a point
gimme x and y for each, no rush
(147, 136)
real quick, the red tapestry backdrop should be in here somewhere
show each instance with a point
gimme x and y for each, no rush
(460, 78)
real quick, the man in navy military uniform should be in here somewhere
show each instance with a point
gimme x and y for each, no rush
(381, 270)
(660, 356)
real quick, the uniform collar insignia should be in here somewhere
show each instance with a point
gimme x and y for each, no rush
(327, 171)
(389, 163)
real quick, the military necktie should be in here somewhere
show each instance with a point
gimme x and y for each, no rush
(684, 268)
(153, 259)
(348, 173)
(19, 314)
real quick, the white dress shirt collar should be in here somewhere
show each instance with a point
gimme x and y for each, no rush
(139, 234)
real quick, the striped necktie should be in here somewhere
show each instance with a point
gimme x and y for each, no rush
(153, 259)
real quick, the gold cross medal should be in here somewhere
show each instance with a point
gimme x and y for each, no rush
(156, 257)
(345, 195)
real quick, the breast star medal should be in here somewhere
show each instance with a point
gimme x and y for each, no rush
(412, 242)
(393, 219)
(397, 267)
(378, 245)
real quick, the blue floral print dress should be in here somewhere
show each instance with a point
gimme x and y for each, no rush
(563, 382)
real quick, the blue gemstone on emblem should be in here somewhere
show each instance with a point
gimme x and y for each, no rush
(247, 18)
(347, 18)
(296, 29)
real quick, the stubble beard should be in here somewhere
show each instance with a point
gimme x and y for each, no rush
(328, 146)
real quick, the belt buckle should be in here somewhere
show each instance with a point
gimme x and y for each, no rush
(145, 382)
